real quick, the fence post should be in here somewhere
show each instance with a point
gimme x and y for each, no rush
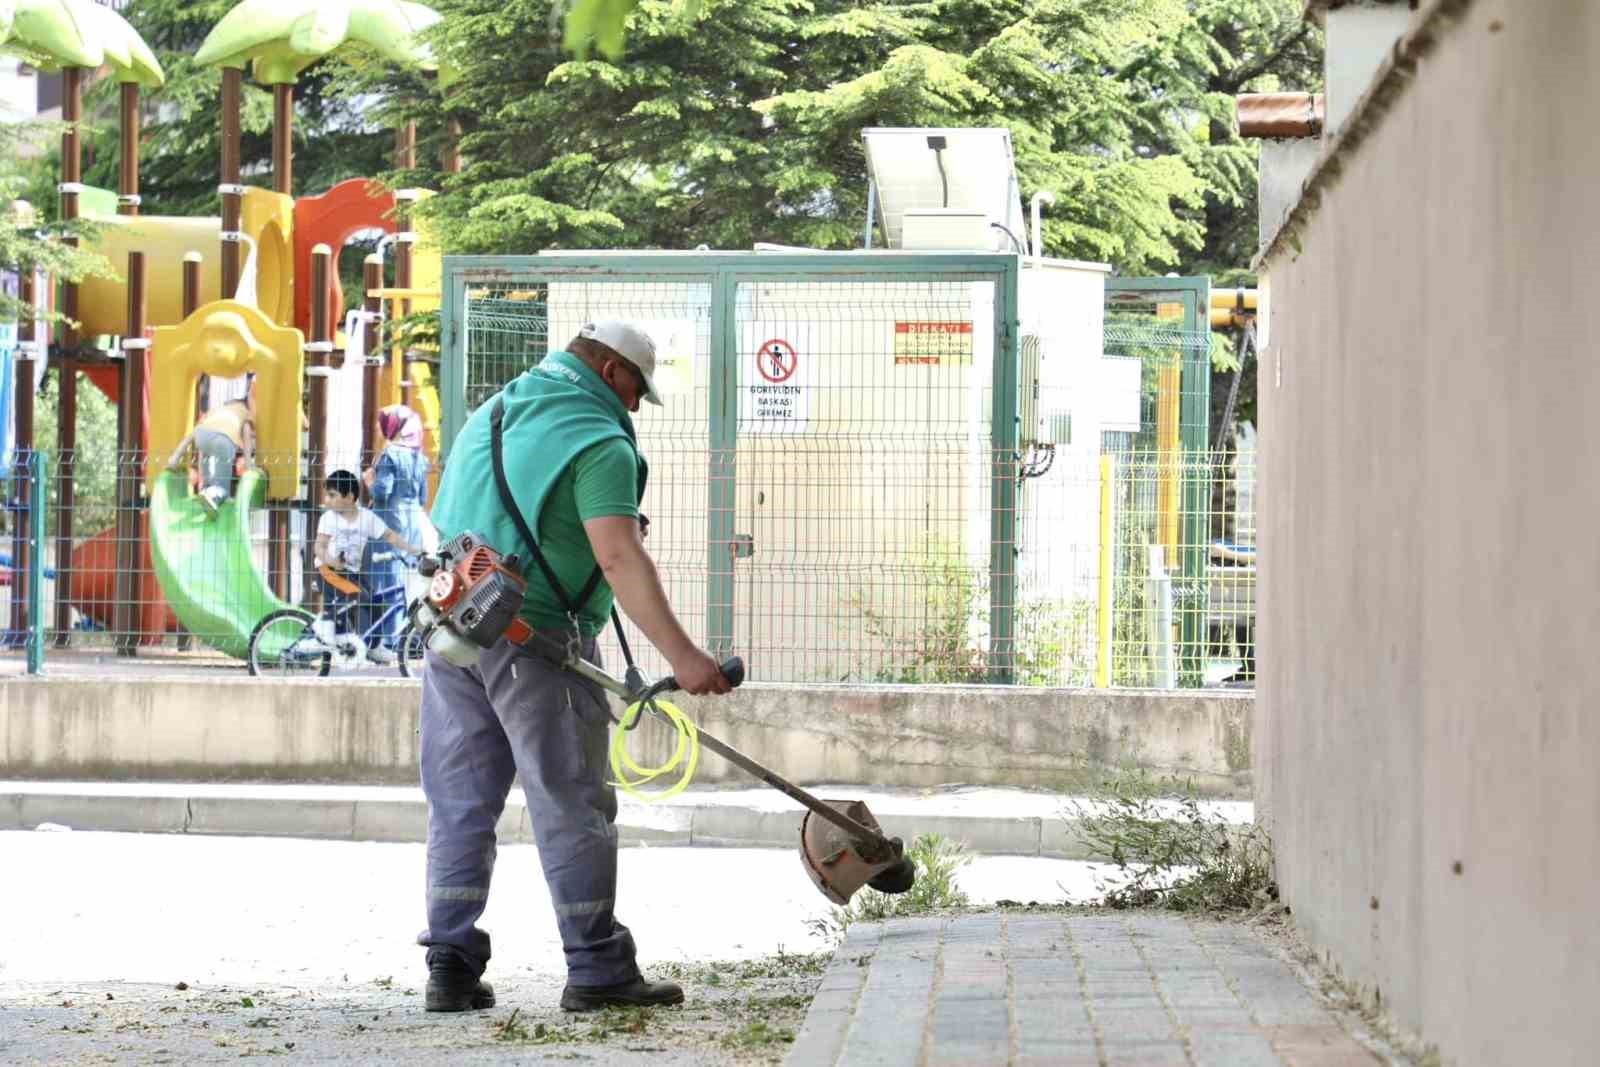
(1004, 460)
(722, 492)
(37, 498)
(1104, 622)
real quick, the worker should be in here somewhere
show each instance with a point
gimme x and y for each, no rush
(571, 466)
(225, 438)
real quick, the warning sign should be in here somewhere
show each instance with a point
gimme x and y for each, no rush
(932, 344)
(777, 360)
(776, 396)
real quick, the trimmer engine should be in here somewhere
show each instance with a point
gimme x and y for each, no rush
(473, 597)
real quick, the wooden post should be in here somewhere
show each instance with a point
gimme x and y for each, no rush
(405, 145)
(128, 179)
(318, 349)
(191, 304)
(202, 387)
(67, 442)
(371, 281)
(408, 387)
(67, 364)
(232, 202)
(404, 242)
(451, 162)
(22, 386)
(283, 139)
(126, 612)
(71, 177)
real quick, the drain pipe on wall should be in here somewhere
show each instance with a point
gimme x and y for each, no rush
(1042, 196)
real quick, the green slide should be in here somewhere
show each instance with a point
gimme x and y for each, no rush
(204, 563)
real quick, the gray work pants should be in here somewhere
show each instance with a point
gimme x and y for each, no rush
(217, 453)
(514, 713)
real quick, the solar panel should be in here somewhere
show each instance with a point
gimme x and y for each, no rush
(931, 171)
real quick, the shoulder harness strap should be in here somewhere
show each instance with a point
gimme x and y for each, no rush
(569, 604)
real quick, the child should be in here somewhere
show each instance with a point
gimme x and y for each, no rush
(342, 536)
(224, 436)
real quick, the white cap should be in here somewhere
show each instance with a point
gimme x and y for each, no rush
(632, 344)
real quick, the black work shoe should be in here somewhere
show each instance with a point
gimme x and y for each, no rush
(453, 987)
(638, 993)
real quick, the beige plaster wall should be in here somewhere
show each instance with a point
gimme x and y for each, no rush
(1428, 731)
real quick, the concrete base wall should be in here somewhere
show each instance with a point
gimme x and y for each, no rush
(365, 731)
(1429, 726)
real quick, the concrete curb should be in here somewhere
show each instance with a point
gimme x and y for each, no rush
(405, 819)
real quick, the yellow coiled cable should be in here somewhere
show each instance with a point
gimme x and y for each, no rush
(686, 753)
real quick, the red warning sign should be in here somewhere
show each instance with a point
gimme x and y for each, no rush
(776, 360)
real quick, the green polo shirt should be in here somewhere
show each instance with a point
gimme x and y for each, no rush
(570, 455)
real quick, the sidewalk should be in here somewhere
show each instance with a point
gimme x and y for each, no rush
(988, 821)
(1070, 990)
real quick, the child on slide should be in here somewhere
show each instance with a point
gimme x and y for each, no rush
(226, 434)
(342, 536)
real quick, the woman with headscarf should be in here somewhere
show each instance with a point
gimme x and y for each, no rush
(398, 482)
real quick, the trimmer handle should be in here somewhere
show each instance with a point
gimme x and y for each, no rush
(732, 669)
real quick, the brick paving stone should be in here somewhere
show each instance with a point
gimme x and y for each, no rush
(1067, 990)
(1233, 1050)
(1145, 1054)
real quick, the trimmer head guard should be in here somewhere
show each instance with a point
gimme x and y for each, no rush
(839, 865)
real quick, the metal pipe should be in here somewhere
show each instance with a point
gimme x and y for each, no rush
(1043, 196)
(612, 684)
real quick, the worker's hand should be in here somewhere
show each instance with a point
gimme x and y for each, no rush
(699, 674)
(369, 476)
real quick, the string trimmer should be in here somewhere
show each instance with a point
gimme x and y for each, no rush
(471, 603)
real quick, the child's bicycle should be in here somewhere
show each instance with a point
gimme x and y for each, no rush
(292, 641)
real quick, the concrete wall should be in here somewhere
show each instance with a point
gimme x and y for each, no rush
(1428, 725)
(1284, 165)
(1359, 37)
(365, 731)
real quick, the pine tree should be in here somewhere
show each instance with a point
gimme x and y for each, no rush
(742, 121)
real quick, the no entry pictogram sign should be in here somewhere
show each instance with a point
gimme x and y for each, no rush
(776, 360)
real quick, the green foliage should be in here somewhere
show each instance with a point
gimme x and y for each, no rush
(337, 132)
(936, 632)
(729, 123)
(758, 1034)
(936, 859)
(36, 245)
(1170, 851)
(602, 23)
(94, 504)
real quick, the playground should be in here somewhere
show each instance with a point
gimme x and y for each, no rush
(245, 305)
